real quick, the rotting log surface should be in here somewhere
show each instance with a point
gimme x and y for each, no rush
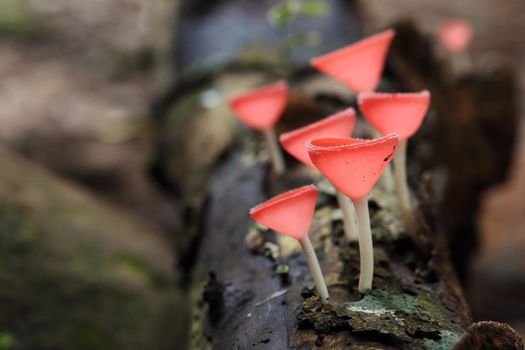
(259, 292)
(249, 299)
(416, 301)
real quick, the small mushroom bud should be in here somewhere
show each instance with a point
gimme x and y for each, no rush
(338, 125)
(358, 66)
(261, 109)
(354, 166)
(455, 36)
(403, 114)
(291, 214)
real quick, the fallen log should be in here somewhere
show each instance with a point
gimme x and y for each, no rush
(416, 301)
(258, 292)
(251, 288)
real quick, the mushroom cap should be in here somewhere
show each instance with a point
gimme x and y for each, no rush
(402, 113)
(289, 213)
(340, 124)
(353, 165)
(358, 66)
(455, 35)
(261, 108)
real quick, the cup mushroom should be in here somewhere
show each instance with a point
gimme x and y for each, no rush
(294, 142)
(455, 36)
(291, 214)
(403, 114)
(354, 166)
(260, 109)
(358, 66)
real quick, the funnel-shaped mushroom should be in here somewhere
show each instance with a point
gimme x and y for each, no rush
(358, 66)
(260, 109)
(338, 125)
(455, 35)
(291, 214)
(354, 166)
(403, 114)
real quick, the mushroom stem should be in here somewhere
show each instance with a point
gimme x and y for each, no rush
(461, 62)
(349, 221)
(403, 193)
(275, 152)
(386, 179)
(366, 248)
(315, 269)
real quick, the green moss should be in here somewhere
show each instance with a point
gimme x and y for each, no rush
(394, 318)
(6, 341)
(448, 339)
(140, 268)
(17, 19)
(51, 296)
(198, 339)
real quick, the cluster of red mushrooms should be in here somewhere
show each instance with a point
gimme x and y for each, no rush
(352, 165)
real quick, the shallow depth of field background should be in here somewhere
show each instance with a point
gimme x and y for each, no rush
(77, 79)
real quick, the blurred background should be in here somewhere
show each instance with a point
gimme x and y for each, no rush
(112, 114)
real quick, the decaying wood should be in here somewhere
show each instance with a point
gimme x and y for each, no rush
(251, 288)
(416, 302)
(489, 335)
(259, 293)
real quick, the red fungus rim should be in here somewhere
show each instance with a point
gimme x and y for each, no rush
(346, 143)
(349, 112)
(283, 197)
(358, 45)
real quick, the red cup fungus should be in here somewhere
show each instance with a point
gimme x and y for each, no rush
(354, 166)
(294, 142)
(358, 66)
(402, 113)
(455, 35)
(291, 214)
(261, 109)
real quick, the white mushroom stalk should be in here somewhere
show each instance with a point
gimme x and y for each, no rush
(291, 214)
(366, 248)
(276, 155)
(402, 190)
(315, 269)
(349, 219)
(354, 166)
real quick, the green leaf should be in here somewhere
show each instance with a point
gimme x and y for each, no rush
(280, 15)
(6, 341)
(312, 8)
(309, 38)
